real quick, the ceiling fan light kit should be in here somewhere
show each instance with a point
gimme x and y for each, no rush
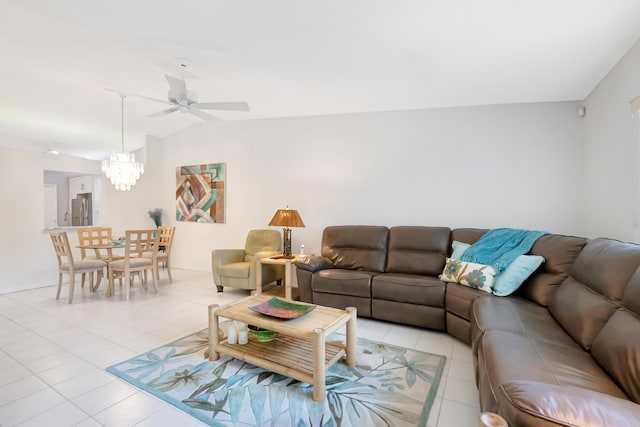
(122, 169)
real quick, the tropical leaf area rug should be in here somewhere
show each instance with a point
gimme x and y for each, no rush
(389, 386)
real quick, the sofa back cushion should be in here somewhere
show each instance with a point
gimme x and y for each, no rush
(559, 253)
(356, 247)
(467, 235)
(418, 250)
(617, 346)
(593, 291)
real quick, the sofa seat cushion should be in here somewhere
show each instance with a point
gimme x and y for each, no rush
(459, 299)
(515, 315)
(236, 269)
(344, 282)
(504, 357)
(529, 403)
(133, 263)
(409, 288)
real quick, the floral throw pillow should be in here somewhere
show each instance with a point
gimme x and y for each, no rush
(477, 276)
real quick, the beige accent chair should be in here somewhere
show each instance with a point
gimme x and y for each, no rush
(236, 268)
(140, 255)
(67, 265)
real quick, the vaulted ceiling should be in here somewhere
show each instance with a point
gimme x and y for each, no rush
(288, 58)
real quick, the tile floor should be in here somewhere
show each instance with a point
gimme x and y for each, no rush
(53, 355)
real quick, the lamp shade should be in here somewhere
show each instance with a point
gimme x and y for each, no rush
(286, 218)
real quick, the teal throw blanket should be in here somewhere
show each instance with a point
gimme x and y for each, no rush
(501, 246)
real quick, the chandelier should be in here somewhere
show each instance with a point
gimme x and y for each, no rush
(122, 168)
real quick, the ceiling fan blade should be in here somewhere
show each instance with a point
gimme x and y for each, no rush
(204, 116)
(178, 87)
(136, 95)
(163, 112)
(229, 106)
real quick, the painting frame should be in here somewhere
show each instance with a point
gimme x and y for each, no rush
(201, 193)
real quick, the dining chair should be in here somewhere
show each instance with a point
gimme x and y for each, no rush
(140, 256)
(95, 236)
(164, 253)
(67, 265)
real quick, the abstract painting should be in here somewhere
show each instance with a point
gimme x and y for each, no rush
(200, 193)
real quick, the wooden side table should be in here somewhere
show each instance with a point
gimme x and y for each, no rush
(288, 273)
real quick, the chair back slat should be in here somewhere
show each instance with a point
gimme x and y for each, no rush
(141, 242)
(93, 236)
(166, 237)
(61, 245)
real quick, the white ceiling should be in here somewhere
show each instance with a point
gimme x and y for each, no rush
(289, 58)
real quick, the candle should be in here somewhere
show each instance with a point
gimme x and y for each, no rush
(232, 335)
(243, 337)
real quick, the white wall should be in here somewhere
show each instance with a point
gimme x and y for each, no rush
(487, 166)
(611, 154)
(26, 253)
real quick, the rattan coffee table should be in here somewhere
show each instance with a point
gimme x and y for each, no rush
(300, 350)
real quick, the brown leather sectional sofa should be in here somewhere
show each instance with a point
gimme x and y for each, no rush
(564, 350)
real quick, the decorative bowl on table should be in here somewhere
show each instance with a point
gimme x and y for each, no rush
(282, 309)
(262, 335)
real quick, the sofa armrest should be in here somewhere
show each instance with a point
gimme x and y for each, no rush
(314, 263)
(530, 403)
(224, 256)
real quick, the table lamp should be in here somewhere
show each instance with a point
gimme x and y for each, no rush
(287, 218)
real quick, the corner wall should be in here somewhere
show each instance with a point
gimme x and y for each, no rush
(612, 141)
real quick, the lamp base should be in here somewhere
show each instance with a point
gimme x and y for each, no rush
(287, 243)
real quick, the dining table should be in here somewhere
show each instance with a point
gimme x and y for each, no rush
(104, 251)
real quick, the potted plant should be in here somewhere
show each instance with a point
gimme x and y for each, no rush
(156, 216)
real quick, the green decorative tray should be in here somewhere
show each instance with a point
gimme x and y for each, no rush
(282, 309)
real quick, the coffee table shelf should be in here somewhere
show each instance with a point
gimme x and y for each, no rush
(282, 355)
(299, 351)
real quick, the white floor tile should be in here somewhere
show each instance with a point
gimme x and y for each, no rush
(130, 411)
(461, 391)
(462, 351)
(61, 416)
(454, 414)
(14, 373)
(462, 369)
(169, 417)
(84, 383)
(20, 389)
(66, 371)
(105, 396)
(28, 407)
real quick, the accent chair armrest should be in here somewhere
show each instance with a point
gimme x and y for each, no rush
(226, 256)
(314, 263)
(221, 257)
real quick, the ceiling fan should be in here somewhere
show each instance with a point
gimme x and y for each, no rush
(183, 100)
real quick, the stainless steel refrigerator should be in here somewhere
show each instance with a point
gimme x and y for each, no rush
(81, 210)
